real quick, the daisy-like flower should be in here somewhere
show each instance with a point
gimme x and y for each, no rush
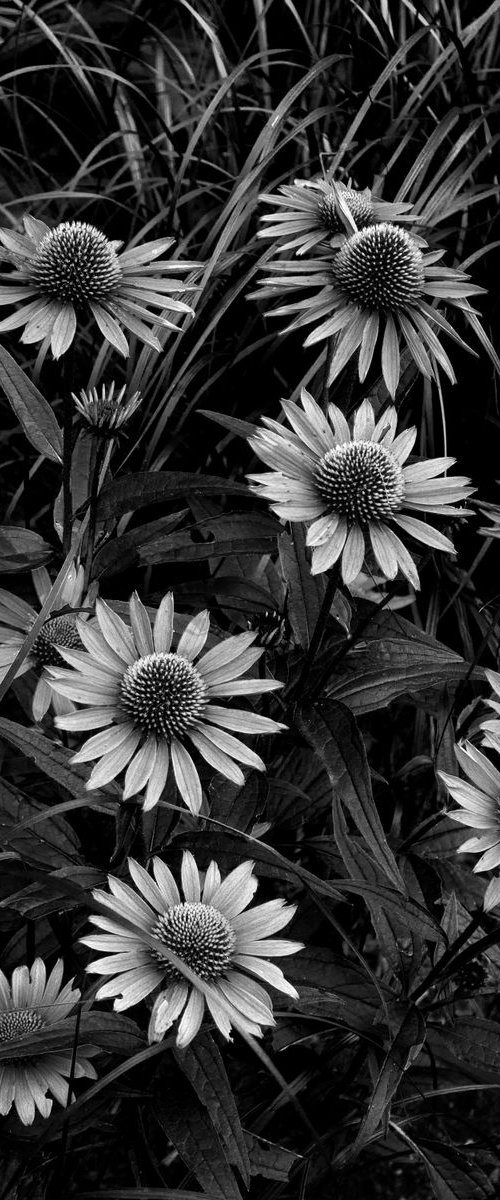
(376, 289)
(491, 727)
(353, 489)
(30, 1004)
(61, 273)
(148, 700)
(311, 212)
(16, 619)
(479, 801)
(105, 414)
(208, 931)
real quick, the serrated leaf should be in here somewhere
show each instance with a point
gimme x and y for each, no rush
(334, 735)
(187, 1124)
(131, 492)
(394, 659)
(127, 551)
(204, 1068)
(32, 410)
(22, 550)
(304, 592)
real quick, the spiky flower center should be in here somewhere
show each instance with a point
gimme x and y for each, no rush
(200, 935)
(361, 481)
(57, 631)
(106, 412)
(76, 263)
(380, 267)
(19, 1023)
(358, 204)
(163, 694)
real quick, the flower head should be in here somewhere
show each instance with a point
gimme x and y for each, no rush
(479, 802)
(491, 727)
(59, 630)
(105, 414)
(353, 489)
(314, 212)
(149, 700)
(30, 1004)
(377, 286)
(208, 931)
(61, 273)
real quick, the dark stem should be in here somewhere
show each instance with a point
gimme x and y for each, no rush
(319, 628)
(94, 496)
(448, 956)
(330, 351)
(67, 373)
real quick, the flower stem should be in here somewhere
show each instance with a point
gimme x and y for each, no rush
(330, 352)
(66, 471)
(94, 495)
(319, 629)
(67, 373)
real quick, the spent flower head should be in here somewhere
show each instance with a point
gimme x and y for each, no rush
(59, 630)
(352, 488)
(105, 413)
(149, 700)
(30, 1005)
(209, 932)
(379, 289)
(65, 273)
(318, 212)
(479, 801)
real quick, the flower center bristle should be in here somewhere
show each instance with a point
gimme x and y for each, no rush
(76, 263)
(200, 935)
(380, 267)
(361, 481)
(57, 631)
(163, 694)
(19, 1023)
(357, 203)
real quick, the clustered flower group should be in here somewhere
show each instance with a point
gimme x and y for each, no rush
(153, 690)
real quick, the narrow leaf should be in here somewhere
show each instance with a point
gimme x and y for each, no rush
(334, 735)
(32, 410)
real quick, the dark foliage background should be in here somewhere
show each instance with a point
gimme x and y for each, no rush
(159, 119)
